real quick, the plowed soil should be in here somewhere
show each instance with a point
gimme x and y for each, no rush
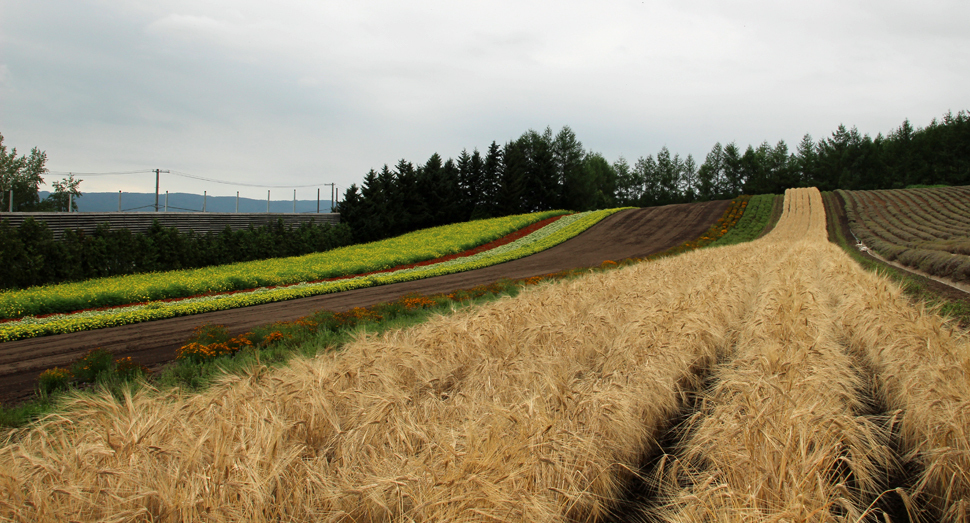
(633, 233)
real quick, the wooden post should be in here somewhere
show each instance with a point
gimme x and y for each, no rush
(205, 196)
(166, 201)
(267, 201)
(119, 201)
(237, 201)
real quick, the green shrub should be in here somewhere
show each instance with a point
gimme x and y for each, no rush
(92, 365)
(52, 380)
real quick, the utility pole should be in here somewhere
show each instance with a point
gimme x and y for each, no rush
(156, 187)
(332, 187)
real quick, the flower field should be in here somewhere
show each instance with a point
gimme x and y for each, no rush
(410, 248)
(926, 229)
(548, 236)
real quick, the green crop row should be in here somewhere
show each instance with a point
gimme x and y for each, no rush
(414, 247)
(752, 223)
(549, 236)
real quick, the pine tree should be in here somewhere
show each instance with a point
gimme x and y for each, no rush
(571, 176)
(512, 183)
(492, 175)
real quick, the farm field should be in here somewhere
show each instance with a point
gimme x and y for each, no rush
(634, 233)
(355, 259)
(540, 408)
(550, 232)
(926, 229)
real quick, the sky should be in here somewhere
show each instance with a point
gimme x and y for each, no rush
(286, 93)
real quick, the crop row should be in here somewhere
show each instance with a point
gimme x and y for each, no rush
(546, 237)
(753, 222)
(927, 229)
(541, 408)
(122, 290)
(214, 341)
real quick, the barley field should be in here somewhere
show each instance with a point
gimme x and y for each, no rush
(545, 406)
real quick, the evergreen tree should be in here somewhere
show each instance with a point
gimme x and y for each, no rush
(371, 225)
(410, 199)
(806, 163)
(629, 188)
(541, 187)
(646, 170)
(668, 177)
(710, 176)
(512, 185)
(688, 186)
(733, 172)
(492, 179)
(571, 176)
(600, 183)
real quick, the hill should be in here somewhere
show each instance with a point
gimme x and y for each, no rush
(187, 202)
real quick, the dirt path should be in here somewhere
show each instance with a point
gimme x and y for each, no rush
(633, 233)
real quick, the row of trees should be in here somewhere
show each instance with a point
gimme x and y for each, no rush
(532, 173)
(540, 171)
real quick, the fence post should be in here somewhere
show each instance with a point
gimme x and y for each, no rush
(70, 201)
(237, 201)
(11, 200)
(267, 201)
(119, 201)
(205, 196)
(318, 200)
(166, 201)
(294, 201)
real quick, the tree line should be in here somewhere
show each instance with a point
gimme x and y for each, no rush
(542, 171)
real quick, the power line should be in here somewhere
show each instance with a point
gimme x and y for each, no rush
(62, 173)
(213, 180)
(187, 175)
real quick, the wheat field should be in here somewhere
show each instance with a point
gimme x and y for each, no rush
(543, 407)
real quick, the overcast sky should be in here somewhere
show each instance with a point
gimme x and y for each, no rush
(312, 92)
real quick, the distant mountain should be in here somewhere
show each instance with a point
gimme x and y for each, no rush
(186, 202)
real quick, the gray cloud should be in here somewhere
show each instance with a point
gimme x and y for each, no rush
(296, 92)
